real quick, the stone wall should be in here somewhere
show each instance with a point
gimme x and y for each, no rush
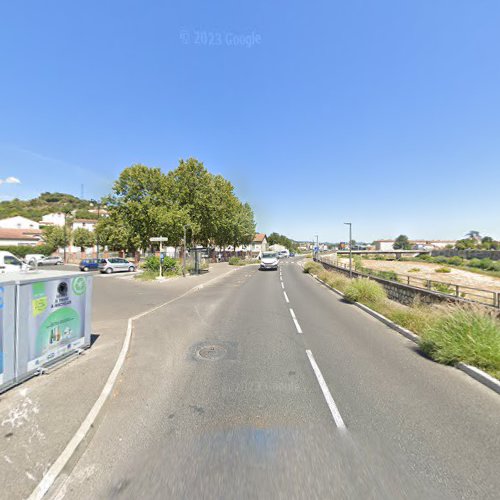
(404, 294)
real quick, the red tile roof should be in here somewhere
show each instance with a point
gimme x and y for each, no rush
(20, 234)
(259, 237)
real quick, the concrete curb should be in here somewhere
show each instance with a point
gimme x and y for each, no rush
(477, 374)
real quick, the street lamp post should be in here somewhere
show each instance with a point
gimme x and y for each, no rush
(184, 251)
(316, 248)
(66, 212)
(350, 247)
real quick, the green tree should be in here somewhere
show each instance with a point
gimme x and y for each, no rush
(113, 233)
(402, 242)
(466, 244)
(141, 205)
(53, 236)
(83, 238)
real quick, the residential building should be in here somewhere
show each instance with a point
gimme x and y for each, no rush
(20, 237)
(54, 219)
(259, 244)
(18, 222)
(88, 224)
(384, 245)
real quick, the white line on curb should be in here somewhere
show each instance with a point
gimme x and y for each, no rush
(56, 468)
(326, 392)
(286, 297)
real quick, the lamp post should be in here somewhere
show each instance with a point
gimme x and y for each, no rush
(316, 248)
(350, 247)
(184, 251)
(66, 212)
(98, 204)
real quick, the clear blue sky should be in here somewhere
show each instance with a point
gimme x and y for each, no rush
(385, 113)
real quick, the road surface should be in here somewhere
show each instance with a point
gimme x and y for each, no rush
(268, 385)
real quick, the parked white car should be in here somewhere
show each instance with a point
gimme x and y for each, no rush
(33, 258)
(9, 263)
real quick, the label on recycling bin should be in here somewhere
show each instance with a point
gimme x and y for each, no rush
(56, 323)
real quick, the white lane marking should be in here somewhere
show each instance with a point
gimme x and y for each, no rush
(56, 468)
(286, 297)
(326, 392)
(282, 285)
(281, 278)
(297, 326)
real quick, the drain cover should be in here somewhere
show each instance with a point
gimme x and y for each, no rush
(212, 352)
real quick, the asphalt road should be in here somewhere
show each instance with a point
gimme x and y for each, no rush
(228, 394)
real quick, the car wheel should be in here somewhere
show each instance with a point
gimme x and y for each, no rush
(131, 269)
(109, 270)
(85, 269)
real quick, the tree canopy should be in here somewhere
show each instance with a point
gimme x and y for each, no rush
(145, 202)
(402, 242)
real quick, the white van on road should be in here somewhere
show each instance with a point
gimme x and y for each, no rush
(9, 263)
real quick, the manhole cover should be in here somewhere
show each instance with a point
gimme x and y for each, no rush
(212, 352)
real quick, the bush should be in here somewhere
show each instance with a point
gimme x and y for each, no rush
(440, 259)
(387, 275)
(442, 288)
(414, 270)
(474, 263)
(335, 280)
(417, 318)
(312, 267)
(466, 335)
(455, 261)
(234, 261)
(366, 291)
(425, 257)
(170, 265)
(443, 270)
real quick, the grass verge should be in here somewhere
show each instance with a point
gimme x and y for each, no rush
(449, 334)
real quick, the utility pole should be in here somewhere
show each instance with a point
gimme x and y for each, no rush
(350, 247)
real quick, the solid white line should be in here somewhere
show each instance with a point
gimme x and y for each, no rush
(293, 314)
(56, 468)
(326, 392)
(282, 285)
(286, 297)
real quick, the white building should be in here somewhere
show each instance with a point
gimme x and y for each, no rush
(18, 222)
(55, 219)
(20, 237)
(88, 224)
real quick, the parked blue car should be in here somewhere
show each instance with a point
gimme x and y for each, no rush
(89, 264)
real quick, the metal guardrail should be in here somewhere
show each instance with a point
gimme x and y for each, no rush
(479, 295)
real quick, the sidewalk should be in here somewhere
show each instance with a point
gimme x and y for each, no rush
(39, 417)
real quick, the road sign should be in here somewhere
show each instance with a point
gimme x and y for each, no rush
(159, 238)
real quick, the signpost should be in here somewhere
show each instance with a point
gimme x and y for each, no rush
(159, 239)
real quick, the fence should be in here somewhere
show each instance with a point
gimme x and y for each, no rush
(481, 296)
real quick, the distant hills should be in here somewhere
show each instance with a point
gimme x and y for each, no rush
(46, 203)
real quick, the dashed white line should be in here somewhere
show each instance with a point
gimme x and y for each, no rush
(286, 297)
(326, 392)
(282, 285)
(297, 326)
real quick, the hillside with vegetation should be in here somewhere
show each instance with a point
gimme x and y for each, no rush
(44, 204)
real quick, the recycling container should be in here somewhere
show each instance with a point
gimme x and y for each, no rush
(7, 330)
(53, 311)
